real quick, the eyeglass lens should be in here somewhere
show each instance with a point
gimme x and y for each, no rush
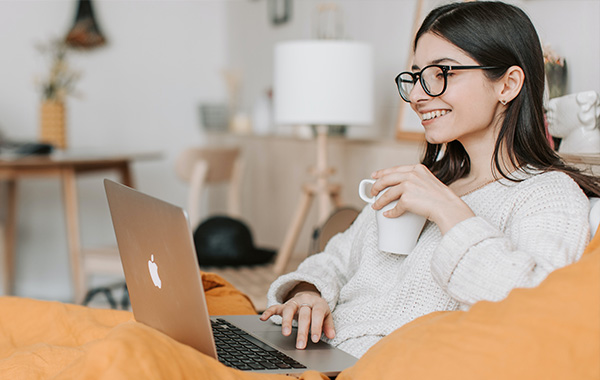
(432, 79)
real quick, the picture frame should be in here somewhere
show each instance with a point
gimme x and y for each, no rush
(405, 127)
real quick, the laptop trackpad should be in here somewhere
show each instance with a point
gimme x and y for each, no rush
(276, 339)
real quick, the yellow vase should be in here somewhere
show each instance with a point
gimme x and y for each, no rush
(53, 129)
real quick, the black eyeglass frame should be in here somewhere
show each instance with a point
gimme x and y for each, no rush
(445, 69)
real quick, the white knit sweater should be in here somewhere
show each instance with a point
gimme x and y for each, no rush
(521, 232)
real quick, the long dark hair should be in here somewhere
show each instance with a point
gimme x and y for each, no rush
(502, 35)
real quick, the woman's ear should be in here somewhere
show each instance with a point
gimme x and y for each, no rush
(510, 84)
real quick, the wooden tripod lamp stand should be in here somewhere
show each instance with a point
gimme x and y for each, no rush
(320, 83)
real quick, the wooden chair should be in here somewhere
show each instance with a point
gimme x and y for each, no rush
(201, 167)
(338, 221)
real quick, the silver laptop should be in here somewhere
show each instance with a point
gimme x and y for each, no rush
(163, 278)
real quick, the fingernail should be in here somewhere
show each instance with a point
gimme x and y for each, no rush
(286, 331)
(300, 344)
(315, 338)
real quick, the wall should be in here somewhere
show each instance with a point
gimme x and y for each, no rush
(163, 59)
(139, 92)
(571, 27)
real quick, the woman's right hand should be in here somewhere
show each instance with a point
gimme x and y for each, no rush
(310, 310)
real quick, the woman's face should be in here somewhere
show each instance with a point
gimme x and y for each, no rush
(467, 110)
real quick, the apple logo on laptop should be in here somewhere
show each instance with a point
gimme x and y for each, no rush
(153, 268)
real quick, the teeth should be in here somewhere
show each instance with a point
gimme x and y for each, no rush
(433, 114)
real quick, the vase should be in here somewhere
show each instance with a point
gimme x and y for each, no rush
(53, 129)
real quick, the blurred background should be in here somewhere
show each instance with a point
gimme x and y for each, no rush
(163, 60)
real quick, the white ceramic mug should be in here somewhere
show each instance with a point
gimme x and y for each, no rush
(396, 235)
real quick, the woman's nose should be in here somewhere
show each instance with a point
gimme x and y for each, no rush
(417, 93)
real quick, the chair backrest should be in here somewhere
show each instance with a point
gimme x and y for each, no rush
(203, 166)
(339, 221)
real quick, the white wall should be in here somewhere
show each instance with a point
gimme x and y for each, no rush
(140, 92)
(571, 27)
(163, 59)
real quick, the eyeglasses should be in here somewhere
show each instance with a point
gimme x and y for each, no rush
(433, 78)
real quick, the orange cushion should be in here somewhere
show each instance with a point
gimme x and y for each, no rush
(548, 332)
(222, 298)
(53, 340)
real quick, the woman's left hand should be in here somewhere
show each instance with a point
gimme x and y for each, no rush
(420, 192)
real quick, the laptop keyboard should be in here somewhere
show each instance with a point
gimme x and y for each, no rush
(237, 349)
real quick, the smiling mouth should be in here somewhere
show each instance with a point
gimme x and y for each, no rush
(433, 114)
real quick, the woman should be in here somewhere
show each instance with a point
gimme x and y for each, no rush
(503, 210)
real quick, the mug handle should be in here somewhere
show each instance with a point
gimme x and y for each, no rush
(362, 190)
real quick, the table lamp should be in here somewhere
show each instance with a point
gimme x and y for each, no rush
(320, 83)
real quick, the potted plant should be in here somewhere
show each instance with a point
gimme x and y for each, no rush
(55, 86)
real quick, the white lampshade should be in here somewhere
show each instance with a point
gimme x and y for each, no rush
(323, 82)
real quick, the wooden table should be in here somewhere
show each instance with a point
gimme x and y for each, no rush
(65, 166)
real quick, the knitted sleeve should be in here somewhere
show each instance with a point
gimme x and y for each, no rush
(329, 270)
(547, 228)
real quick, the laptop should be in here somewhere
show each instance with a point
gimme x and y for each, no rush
(165, 287)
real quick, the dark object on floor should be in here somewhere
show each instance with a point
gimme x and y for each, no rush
(107, 292)
(224, 241)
